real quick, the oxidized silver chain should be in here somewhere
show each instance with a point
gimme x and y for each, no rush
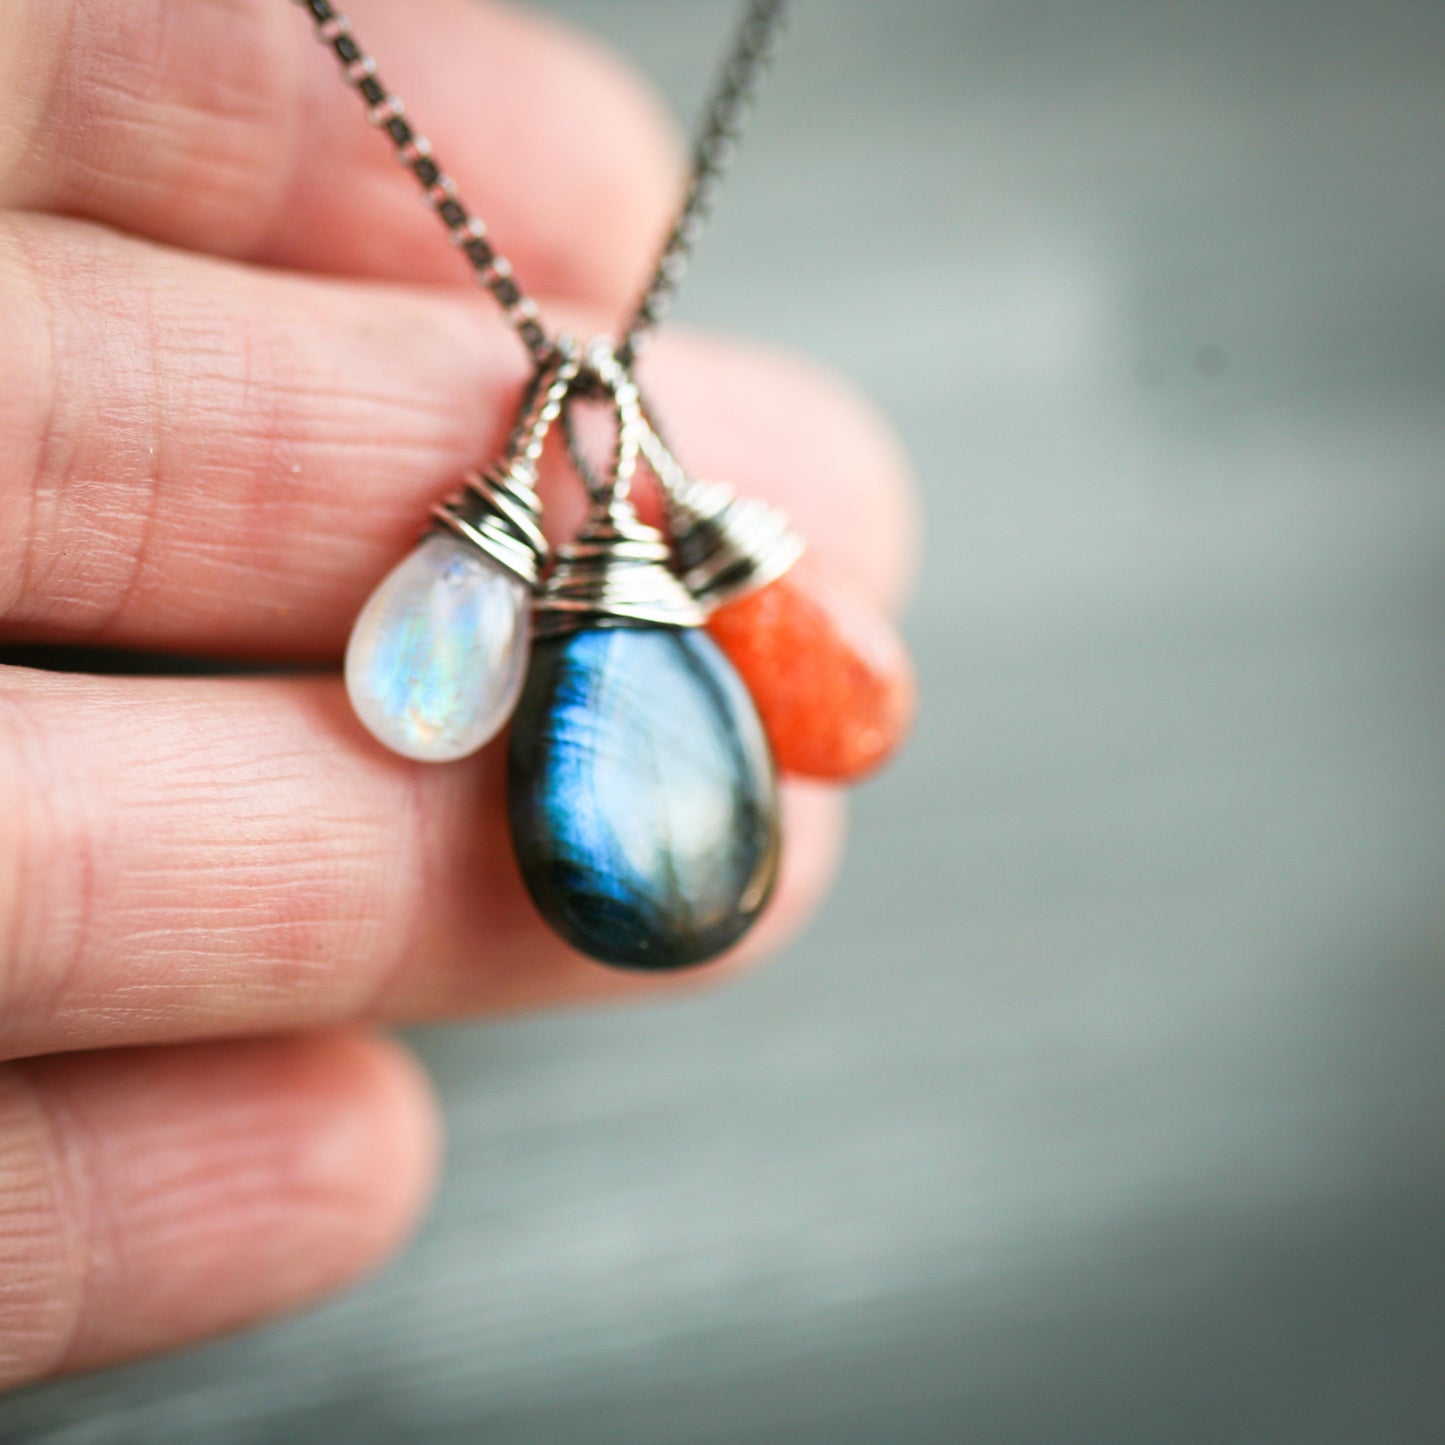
(713, 150)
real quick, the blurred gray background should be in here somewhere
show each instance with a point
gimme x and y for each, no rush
(1104, 1102)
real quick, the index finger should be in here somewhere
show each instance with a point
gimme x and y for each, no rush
(222, 126)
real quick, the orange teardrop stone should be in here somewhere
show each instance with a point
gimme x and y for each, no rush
(830, 676)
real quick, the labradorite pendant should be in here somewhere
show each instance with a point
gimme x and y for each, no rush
(642, 795)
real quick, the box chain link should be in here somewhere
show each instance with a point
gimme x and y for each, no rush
(722, 126)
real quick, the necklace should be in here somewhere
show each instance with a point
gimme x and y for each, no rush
(642, 762)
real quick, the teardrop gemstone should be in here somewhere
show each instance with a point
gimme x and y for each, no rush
(642, 795)
(830, 675)
(438, 654)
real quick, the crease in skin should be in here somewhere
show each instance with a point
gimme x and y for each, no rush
(42, 372)
(46, 1208)
(221, 451)
(30, 89)
(158, 427)
(48, 841)
(56, 485)
(300, 894)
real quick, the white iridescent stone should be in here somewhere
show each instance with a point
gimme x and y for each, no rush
(438, 655)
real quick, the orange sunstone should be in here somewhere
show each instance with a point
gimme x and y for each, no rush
(830, 676)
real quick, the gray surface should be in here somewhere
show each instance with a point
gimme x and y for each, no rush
(1103, 1104)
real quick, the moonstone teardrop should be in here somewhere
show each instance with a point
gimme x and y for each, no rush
(438, 655)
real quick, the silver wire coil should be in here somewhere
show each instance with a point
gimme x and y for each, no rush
(725, 545)
(498, 511)
(615, 574)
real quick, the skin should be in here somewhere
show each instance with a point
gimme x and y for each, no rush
(232, 380)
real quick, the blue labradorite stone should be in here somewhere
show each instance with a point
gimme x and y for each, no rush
(642, 794)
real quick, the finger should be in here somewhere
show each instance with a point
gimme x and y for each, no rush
(194, 858)
(153, 1197)
(796, 435)
(222, 125)
(201, 456)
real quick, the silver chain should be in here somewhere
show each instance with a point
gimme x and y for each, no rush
(722, 127)
(723, 124)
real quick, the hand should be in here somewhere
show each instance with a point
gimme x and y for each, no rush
(238, 362)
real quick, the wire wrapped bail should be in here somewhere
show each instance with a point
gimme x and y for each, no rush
(498, 510)
(724, 545)
(617, 571)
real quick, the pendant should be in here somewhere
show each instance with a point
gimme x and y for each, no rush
(642, 792)
(437, 656)
(830, 676)
(643, 806)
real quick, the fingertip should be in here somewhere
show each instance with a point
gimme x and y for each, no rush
(203, 1188)
(376, 1158)
(320, 1153)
